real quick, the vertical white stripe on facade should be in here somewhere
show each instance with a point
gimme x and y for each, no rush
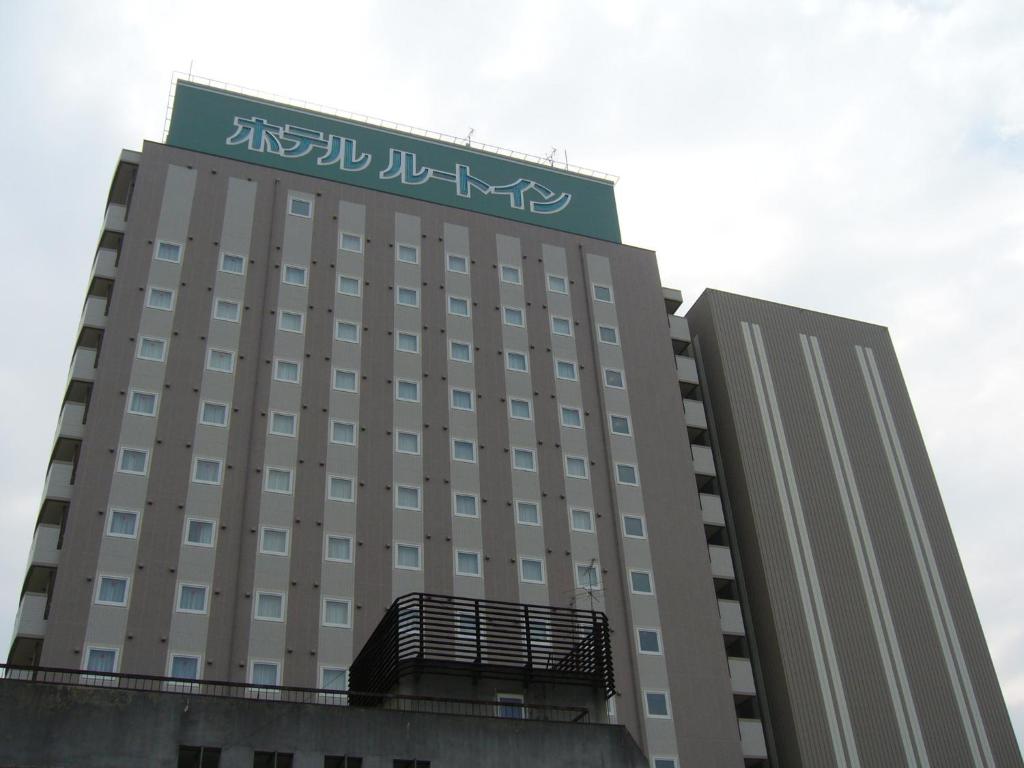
(874, 590)
(938, 603)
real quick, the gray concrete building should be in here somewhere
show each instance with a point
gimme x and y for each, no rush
(323, 366)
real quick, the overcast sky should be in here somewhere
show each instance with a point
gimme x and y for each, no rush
(862, 159)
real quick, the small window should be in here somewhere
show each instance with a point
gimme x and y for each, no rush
(340, 489)
(634, 527)
(133, 461)
(185, 668)
(648, 641)
(524, 459)
(283, 424)
(300, 206)
(339, 549)
(510, 705)
(407, 342)
(350, 242)
(614, 379)
(207, 471)
(198, 757)
(576, 466)
(343, 432)
(626, 474)
(656, 704)
(410, 254)
(665, 762)
(221, 360)
(270, 606)
(112, 590)
(293, 322)
(527, 513)
(561, 326)
(620, 425)
(457, 263)
(408, 297)
(346, 331)
(346, 381)
(407, 497)
(514, 317)
(407, 556)
(192, 598)
(511, 275)
(152, 349)
(408, 391)
(101, 660)
(264, 673)
(602, 293)
(213, 414)
(463, 450)
(337, 613)
(349, 286)
(582, 520)
(467, 563)
(466, 505)
(462, 400)
(571, 417)
(531, 570)
(407, 442)
(608, 334)
(460, 351)
(640, 583)
(160, 298)
(142, 403)
(565, 369)
(199, 532)
(123, 523)
(294, 275)
(458, 306)
(274, 541)
(410, 764)
(588, 576)
(516, 361)
(168, 252)
(223, 309)
(232, 263)
(336, 679)
(557, 284)
(286, 371)
(278, 480)
(520, 409)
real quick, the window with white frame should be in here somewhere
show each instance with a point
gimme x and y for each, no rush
(346, 331)
(279, 480)
(516, 361)
(232, 263)
(528, 513)
(294, 275)
(343, 432)
(608, 334)
(510, 705)
(511, 275)
(634, 527)
(213, 414)
(462, 399)
(133, 461)
(407, 442)
(407, 342)
(458, 263)
(614, 379)
(283, 424)
(351, 242)
(561, 326)
(460, 351)
(648, 641)
(220, 360)
(409, 254)
(142, 403)
(207, 471)
(602, 293)
(183, 667)
(166, 251)
(160, 298)
(339, 549)
(519, 409)
(346, 381)
(407, 556)
(458, 306)
(531, 570)
(626, 474)
(640, 582)
(463, 450)
(656, 704)
(407, 497)
(619, 424)
(582, 520)
(576, 466)
(123, 523)
(408, 297)
(286, 371)
(225, 309)
(571, 417)
(192, 598)
(340, 488)
(588, 576)
(565, 369)
(270, 606)
(467, 563)
(337, 612)
(199, 533)
(152, 349)
(274, 541)
(112, 590)
(514, 316)
(524, 459)
(264, 673)
(101, 660)
(334, 679)
(293, 322)
(408, 391)
(348, 285)
(558, 284)
(465, 505)
(300, 206)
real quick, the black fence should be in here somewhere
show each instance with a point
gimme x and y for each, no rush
(290, 694)
(424, 633)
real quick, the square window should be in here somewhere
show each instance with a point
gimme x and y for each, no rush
(571, 417)
(465, 505)
(626, 474)
(528, 513)
(213, 414)
(407, 556)
(557, 284)
(339, 549)
(152, 349)
(614, 379)
(407, 442)
(460, 351)
(221, 360)
(112, 590)
(287, 371)
(510, 705)
(133, 461)
(168, 252)
(511, 275)
(588, 576)
(101, 660)
(294, 275)
(278, 480)
(264, 673)
(123, 523)
(457, 263)
(648, 641)
(463, 450)
(350, 242)
(620, 425)
(516, 361)
(184, 667)
(199, 532)
(343, 432)
(232, 263)
(142, 403)
(462, 399)
(561, 326)
(514, 316)
(608, 334)
(467, 563)
(337, 613)
(346, 331)
(299, 206)
(640, 582)
(519, 409)
(565, 369)
(458, 306)
(274, 541)
(407, 497)
(349, 286)
(160, 298)
(602, 293)
(270, 606)
(207, 471)
(345, 381)
(582, 520)
(334, 679)
(340, 488)
(407, 342)
(524, 459)
(409, 391)
(292, 322)
(408, 297)
(192, 598)
(531, 570)
(223, 309)
(634, 527)
(656, 704)
(283, 423)
(576, 466)
(410, 254)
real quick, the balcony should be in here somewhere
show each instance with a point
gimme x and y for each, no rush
(686, 370)
(703, 460)
(711, 509)
(696, 417)
(114, 220)
(104, 266)
(752, 740)
(673, 299)
(31, 619)
(732, 617)
(742, 676)
(94, 312)
(58, 481)
(679, 329)
(45, 544)
(71, 424)
(83, 365)
(721, 562)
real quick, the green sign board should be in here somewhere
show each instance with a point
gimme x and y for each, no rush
(254, 130)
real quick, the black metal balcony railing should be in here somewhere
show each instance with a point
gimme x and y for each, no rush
(424, 633)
